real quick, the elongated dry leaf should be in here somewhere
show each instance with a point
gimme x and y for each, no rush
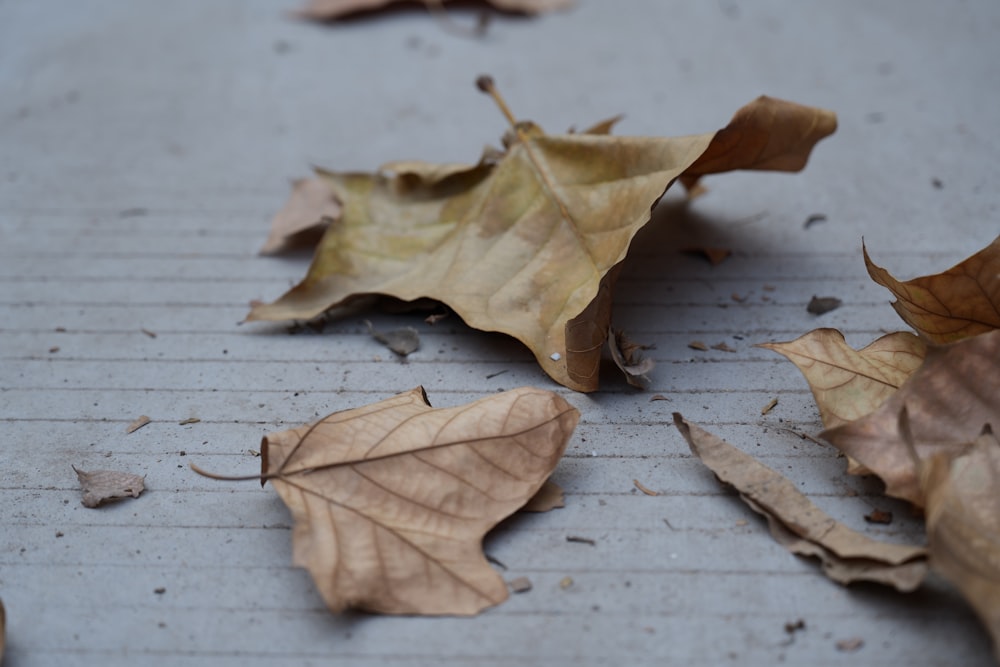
(527, 242)
(963, 525)
(391, 501)
(328, 10)
(102, 486)
(849, 384)
(954, 393)
(801, 527)
(309, 209)
(961, 302)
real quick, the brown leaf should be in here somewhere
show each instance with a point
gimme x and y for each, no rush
(628, 358)
(391, 501)
(818, 305)
(961, 302)
(954, 393)
(800, 526)
(101, 486)
(963, 525)
(309, 209)
(849, 384)
(328, 10)
(547, 498)
(527, 242)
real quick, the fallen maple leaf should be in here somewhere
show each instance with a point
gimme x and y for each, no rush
(849, 384)
(963, 525)
(310, 207)
(954, 393)
(961, 302)
(801, 527)
(328, 10)
(391, 501)
(527, 242)
(102, 486)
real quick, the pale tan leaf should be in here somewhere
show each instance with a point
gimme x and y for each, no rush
(137, 423)
(310, 208)
(102, 486)
(961, 302)
(799, 525)
(849, 384)
(527, 242)
(963, 525)
(954, 393)
(391, 501)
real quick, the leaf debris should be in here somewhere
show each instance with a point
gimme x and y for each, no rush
(101, 486)
(770, 406)
(137, 423)
(520, 585)
(820, 305)
(401, 341)
(645, 489)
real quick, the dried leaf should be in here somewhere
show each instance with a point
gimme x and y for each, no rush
(527, 242)
(547, 498)
(401, 341)
(800, 526)
(963, 525)
(627, 357)
(961, 302)
(954, 393)
(819, 305)
(101, 486)
(849, 384)
(310, 208)
(329, 10)
(698, 345)
(391, 501)
(520, 585)
(137, 423)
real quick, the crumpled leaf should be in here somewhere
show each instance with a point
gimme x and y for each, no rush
(627, 356)
(310, 208)
(801, 527)
(954, 393)
(101, 486)
(961, 302)
(391, 501)
(328, 10)
(963, 525)
(849, 384)
(527, 242)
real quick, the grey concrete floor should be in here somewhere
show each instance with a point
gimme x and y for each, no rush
(144, 146)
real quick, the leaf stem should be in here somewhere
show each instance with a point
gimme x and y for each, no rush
(227, 478)
(485, 84)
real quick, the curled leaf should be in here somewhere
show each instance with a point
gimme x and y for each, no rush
(391, 501)
(801, 527)
(310, 207)
(954, 393)
(849, 384)
(961, 302)
(628, 358)
(963, 525)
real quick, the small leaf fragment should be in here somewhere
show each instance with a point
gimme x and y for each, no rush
(698, 345)
(961, 302)
(801, 527)
(819, 305)
(101, 486)
(770, 406)
(401, 341)
(628, 358)
(137, 423)
(520, 585)
(715, 256)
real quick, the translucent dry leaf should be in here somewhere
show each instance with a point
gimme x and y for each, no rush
(310, 207)
(527, 242)
(391, 501)
(801, 527)
(102, 486)
(954, 393)
(963, 525)
(848, 384)
(945, 307)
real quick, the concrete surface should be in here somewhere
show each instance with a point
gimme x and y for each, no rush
(144, 146)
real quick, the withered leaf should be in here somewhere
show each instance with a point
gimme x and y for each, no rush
(949, 398)
(401, 341)
(328, 10)
(628, 358)
(527, 242)
(963, 525)
(849, 384)
(391, 501)
(547, 498)
(961, 302)
(310, 207)
(801, 527)
(101, 486)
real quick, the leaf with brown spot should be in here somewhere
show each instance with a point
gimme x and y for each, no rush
(801, 527)
(849, 384)
(310, 208)
(961, 302)
(102, 486)
(954, 393)
(527, 242)
(963, 525)
(391, 501)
